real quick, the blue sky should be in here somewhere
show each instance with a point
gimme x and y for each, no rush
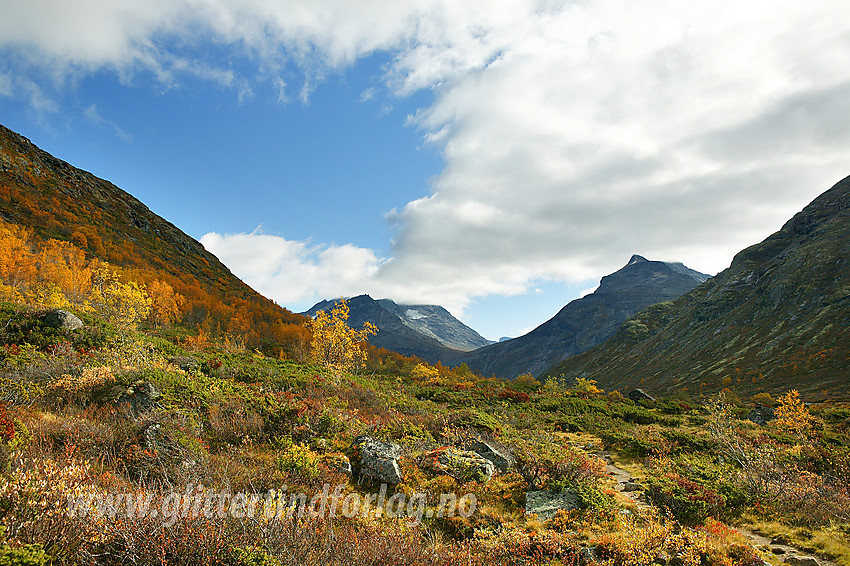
(497, 158)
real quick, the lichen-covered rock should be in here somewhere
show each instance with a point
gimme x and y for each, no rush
(374, 460)
(139, 397)
(463, 465)
(501, 458)
(186, 363)
(546, 504)
(638, 395)
(62, 319)
(761, 414)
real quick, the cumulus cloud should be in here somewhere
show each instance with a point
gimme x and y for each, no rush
(573, 133)
(294, 272)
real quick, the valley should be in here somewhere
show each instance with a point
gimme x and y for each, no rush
(154, 409)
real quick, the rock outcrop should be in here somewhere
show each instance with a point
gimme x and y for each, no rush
(62, 319)
(501, 458)
(761, 414)
(375, 461)
(546, 504)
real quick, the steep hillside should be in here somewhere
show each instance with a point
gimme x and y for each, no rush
(395, 332)
(776, 318)
(587, 321)
(60, 201)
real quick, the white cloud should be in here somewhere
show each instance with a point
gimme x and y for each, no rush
(295, 273)
(574, 133)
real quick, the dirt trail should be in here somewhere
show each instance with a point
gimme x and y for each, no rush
(781, 550)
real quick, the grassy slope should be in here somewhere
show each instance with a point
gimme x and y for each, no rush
(242, 420)
(59, 201)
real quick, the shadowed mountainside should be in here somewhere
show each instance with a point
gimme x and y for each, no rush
(776, 319)
(588, 321)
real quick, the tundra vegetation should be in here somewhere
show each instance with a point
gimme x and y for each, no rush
(140, 401)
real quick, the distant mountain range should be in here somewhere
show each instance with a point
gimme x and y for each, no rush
(587, 321)
(776, 319)
(429, 332)
(432, 333)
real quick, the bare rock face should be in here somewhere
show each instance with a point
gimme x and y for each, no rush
(546, 504)
(62, 319)
(639, 395)
(374, 460)
(802, 560)
(501, 458)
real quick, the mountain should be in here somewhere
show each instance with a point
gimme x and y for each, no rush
(57, 200)
(429, 332)
(438, 323)
(588, 321)
(776, 319)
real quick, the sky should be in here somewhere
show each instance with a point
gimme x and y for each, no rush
(494, 157)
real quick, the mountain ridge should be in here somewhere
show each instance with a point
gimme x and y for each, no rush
(57, 200)
(586, 321)
(776, 318)
(394, 333)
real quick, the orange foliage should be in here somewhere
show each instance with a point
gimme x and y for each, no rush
(165, 303)
(74, 208)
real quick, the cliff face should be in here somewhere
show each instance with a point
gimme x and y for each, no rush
(587, 321)
(776, 319)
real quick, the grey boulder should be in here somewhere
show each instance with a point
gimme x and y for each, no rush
(374, 460)
(62, 319)
(546, 504)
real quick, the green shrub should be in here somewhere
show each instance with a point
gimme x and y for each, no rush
(688, 501)
(251, 557)
(25, 555)
(300, 462)
(591, 495)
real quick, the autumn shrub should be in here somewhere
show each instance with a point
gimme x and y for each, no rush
(301, 463)
(7, 424)
(512, 546)
(545, 463)
(77, 388)
(233, 423)
(775, 474)
(35, 498)
(646, 537)
(98, 433)
(334, 344)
